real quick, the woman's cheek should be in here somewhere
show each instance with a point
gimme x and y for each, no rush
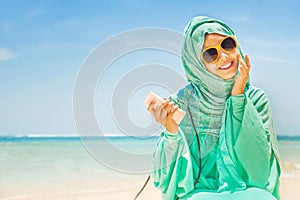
(212, 68)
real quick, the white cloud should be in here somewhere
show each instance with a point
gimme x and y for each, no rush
(6, 55)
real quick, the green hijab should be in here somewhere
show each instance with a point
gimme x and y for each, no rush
(214, 89)
(210, 92)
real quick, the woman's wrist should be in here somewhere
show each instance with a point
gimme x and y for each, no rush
(237, 92)
(170, 134)
(238, 89)
(172, 129)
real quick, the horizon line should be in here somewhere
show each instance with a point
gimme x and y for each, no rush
(280, 137)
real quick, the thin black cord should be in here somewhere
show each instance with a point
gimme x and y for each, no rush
(141, 190)
(199, 146)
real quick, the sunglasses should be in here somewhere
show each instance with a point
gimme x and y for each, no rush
(212, 53)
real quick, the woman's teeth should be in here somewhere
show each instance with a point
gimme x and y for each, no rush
(225, 66)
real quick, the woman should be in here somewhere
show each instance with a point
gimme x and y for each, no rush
(225, 147)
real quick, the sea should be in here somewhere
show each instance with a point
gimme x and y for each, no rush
(62, 165)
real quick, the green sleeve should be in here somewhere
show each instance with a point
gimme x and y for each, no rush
(247, 154)
(173, 163)
(173, 173)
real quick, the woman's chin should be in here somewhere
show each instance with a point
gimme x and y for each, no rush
(229, 75)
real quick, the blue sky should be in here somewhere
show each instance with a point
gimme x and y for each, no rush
(43, 44)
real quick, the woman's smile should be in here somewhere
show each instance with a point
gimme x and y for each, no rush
(226, 66)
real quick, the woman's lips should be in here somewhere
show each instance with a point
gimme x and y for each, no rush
(227, 66)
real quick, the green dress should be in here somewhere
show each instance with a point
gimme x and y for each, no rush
(238, 147)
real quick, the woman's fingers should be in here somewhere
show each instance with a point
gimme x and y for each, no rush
(241, 65)
(160, 111)
(152, 103)
(163, 106)
(173, 111)
(163, 114)
(166, 109)
(248, 61)
(163, 110)
(244, 67)
(169, 107)
(241, 80)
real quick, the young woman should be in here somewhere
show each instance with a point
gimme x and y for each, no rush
(225, 147)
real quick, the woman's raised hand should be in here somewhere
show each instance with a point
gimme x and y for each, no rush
(164, 113)
(240, 82)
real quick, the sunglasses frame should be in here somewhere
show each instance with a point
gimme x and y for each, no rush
(218, 47)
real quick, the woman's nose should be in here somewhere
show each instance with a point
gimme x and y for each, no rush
(223, 56)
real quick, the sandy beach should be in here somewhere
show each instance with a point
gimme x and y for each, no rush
(289, 190)
(290, 183)
(61, 169)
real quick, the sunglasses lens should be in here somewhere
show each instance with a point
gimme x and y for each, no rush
(210, 55)
(228, 44)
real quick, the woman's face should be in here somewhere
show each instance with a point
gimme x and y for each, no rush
(226, 66)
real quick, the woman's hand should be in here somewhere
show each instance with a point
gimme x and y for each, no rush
(240, 82)
(164, 113)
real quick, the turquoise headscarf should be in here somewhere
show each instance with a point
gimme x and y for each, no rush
(214, 89)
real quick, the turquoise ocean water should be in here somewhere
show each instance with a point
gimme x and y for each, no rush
(54, 165)
(59, 166)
